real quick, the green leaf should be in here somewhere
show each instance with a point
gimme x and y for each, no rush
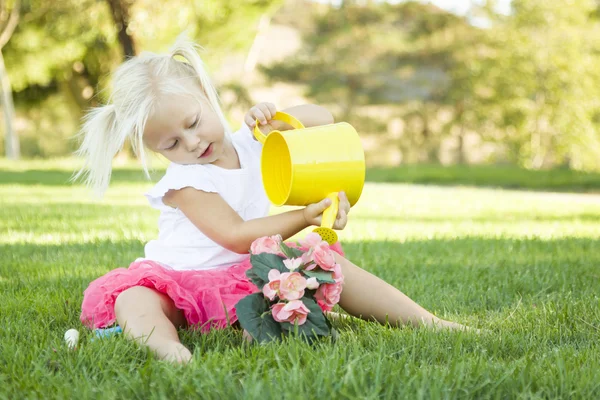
(316, 317)
(257, 280)
(261, 265)
(322, 276)
(253, 315)
(316, 324)
(290, 252)
(310, 293)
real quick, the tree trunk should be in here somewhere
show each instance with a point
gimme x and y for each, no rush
(460, 148)
(430, 151)
(120, 13)
(350, 103)
(260, 39)
(12, 148)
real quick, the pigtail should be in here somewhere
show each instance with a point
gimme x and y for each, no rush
(188, 50)
(102, 140)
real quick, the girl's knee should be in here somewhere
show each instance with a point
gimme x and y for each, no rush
(133, 297)
(141, 299)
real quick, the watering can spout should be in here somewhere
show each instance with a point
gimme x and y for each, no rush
(279, 116)
(329, 215)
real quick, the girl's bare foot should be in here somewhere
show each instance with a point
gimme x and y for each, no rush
(441, 324)
(173, 352)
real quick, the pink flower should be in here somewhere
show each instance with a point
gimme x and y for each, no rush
(323, 256)
(293, 263)
(311, 240)
(308, 261)
(294, 312)
(312, 283)
(337, 273)
(292, 286)
(328, 295)
(271, 289)
(267, 244)
(310, 266)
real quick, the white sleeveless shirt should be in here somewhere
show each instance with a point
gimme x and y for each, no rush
(180, 244)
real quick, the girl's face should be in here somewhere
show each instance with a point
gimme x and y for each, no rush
(185, 130)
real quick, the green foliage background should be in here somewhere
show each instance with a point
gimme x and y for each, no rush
(419, 83)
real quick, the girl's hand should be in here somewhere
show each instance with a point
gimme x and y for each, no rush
(344, 208)
(263, 112)
(313, 213)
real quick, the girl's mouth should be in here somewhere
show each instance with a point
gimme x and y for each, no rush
(207, 152)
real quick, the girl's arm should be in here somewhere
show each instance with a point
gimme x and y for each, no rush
(308, 114)
(217, 220)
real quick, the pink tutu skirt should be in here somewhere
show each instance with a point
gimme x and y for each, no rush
(206, 297)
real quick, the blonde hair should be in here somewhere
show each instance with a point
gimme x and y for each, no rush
(137, 84)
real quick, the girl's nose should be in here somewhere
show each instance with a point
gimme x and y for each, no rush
(191, 142)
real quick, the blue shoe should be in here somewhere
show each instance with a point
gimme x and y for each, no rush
(107, 332)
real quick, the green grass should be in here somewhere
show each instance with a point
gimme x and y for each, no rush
(504, 176)
(523, 264)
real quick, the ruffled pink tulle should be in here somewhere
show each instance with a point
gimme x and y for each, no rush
(206, 297)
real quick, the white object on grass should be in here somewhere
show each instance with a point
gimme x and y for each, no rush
(72, 338)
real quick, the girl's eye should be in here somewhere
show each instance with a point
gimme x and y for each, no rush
(195, 123)
(173, 146)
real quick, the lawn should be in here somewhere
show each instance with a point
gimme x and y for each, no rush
(523, 264)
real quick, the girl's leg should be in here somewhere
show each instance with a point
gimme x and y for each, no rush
(366, 296)
(150, 318)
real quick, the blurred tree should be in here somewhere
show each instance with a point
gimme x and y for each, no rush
(375, 53)
(120, 10)
(62, 48)
(435, 36)
(55, 38)
(531, 83)
(9, 18)
(222, 27)
(336, 61)
(527, 82)
(62, 52)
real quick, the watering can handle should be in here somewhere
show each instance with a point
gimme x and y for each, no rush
(279, 116)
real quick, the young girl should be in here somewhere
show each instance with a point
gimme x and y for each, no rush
(212, 207)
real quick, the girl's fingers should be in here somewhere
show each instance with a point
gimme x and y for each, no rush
(322, 206)
(249, 120)
(264, 107)
(272, 109)
(344, 208)
(258, 114)
(313, 212)
(264, 112)
(344, 202)
(341, 221)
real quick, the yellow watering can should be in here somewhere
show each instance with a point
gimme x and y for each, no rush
(304, 165)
